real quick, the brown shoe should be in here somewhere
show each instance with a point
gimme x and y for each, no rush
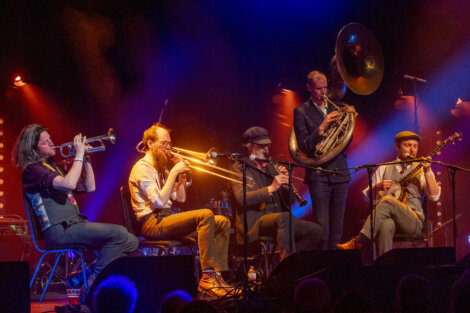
(349, 245)
(216, 286)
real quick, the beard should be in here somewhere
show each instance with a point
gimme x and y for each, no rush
(162, 161)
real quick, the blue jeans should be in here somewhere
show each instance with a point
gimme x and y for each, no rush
(329, 204)
(112, 241)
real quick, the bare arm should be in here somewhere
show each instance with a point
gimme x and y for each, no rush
(90, 183)
(69, 181)
(431, 188)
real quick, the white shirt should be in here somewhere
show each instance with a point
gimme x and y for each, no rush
(377, 177)
(145, 187)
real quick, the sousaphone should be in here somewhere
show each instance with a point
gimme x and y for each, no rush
(359, 64)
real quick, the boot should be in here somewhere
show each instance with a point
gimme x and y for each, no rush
(214, 284)
(350, 245)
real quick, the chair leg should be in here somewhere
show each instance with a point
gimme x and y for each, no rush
(85, 282)
(37, 269)
(264, 246)
(50, 276)
(196, 268)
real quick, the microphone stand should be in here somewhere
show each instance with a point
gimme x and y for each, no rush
(290, 167)
(370, 170)
(453, 170)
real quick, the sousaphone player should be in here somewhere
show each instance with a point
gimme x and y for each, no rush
(323, 128)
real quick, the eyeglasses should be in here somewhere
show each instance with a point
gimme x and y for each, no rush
(168, 144)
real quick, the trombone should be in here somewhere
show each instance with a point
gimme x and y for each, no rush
(206, 159)
(67, 149)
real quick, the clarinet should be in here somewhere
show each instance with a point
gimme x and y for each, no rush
(302, 202)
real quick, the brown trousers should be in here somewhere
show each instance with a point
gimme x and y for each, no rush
(213, 234)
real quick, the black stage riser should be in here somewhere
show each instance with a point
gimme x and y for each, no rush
(14, 287)
(342, 271)
(419, 256)
(154, 277)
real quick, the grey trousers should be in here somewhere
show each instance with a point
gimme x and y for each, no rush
(112, 241)
(306, 235)
(213, 234)
(391, 216)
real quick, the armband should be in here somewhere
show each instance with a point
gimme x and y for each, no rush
(78, 159)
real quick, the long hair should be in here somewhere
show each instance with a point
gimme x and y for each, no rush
(24, 151)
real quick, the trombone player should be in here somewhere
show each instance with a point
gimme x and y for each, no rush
(268, 203)
(328, 193)
(154, 184)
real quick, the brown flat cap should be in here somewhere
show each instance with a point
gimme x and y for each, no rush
(406, 135)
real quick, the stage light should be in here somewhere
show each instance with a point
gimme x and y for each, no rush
(1, 145)
(18, 82)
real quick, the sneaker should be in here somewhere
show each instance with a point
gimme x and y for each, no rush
(216, 286)
(350, 245)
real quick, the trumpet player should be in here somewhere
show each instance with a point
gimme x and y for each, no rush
(52, 193)
(268, 203)
(328, 193)
(154, 184)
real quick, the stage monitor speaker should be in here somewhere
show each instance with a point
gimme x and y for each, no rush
(418, 257)
(465, 261)
(306, 264)
(154, 278)
(14, 287)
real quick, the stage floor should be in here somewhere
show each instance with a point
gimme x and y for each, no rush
(51, 300)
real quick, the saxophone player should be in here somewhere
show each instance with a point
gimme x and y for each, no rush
(328, 192)
(268, 203)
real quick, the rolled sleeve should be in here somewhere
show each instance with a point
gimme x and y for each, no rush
(38, 178)
(145, 178)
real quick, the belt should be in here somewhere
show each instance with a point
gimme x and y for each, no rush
(145, 218)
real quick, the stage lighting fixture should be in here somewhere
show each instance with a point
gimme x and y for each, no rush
(18, 82)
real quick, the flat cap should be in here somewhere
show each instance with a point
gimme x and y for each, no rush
(406, 135)
(256, 134)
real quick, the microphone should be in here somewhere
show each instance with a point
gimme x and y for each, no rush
(253, 157)
(215, 155)
(421, 80)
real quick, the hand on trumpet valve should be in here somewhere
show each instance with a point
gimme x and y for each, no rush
(80, 145)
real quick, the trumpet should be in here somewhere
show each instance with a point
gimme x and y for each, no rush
(206, 159)
(67, 149)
